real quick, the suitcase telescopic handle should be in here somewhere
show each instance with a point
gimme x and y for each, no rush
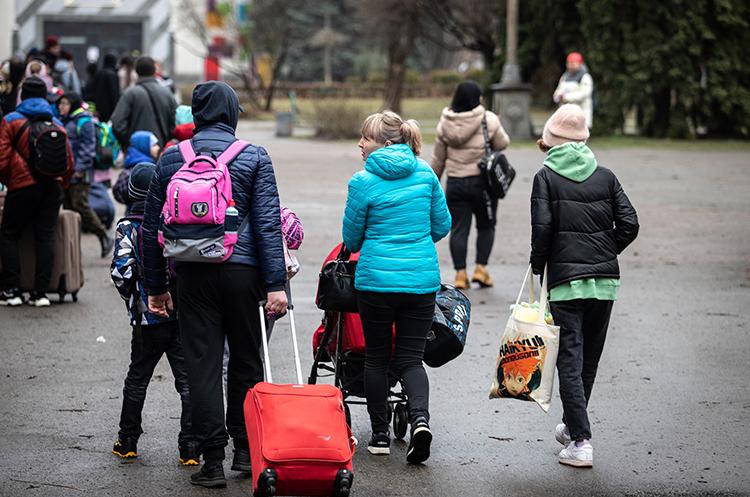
(264, 339)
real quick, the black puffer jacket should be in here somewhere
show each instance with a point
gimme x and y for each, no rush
(216, 110)
(579, 228)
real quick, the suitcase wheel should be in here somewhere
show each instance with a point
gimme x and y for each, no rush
(266, 484)
(343, 484)
(400, 421)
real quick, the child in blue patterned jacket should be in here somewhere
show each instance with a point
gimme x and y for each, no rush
(153, 336)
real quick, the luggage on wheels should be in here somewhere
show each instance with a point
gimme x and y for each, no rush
(300, 443)
(67, 270)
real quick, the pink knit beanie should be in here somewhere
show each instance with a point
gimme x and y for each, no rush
(567, 124)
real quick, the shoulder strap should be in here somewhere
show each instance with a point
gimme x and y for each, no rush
(80, 122)
(487, 146)
(232, 151)
(157, 116)
(186, 149)
(24, 127)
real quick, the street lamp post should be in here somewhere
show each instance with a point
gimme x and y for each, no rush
(512, 96)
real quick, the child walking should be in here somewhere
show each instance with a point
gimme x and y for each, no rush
(153, 336)
(581, 220)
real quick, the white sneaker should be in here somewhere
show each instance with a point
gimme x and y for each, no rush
(562, 434)
(579, 456)
(38, 300)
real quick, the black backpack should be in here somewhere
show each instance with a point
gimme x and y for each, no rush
(48, 147)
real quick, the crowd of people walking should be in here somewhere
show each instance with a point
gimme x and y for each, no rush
(193, 270)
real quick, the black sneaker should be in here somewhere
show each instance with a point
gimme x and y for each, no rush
(189, 455)
(107, 243)
(419, 444)
(211, 475)
(241, 460)
(380, 444)
(12, 297)
(38, 299)
(127, 449)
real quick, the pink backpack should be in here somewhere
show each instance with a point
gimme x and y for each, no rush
(199, 220)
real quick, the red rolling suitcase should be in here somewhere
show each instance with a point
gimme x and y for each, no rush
(300, 443)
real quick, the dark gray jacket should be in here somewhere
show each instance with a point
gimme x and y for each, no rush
(134, 112)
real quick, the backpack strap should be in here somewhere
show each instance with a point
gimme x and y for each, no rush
(232, 151)
(186, 149)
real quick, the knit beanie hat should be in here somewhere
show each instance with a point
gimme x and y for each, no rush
(33, 87)
(140, 179)
(567, 124)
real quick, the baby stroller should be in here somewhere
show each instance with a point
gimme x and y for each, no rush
(339, 351)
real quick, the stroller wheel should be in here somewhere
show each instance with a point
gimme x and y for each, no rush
(400, 421)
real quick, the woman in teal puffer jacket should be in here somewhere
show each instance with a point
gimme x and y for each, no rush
(395, 212)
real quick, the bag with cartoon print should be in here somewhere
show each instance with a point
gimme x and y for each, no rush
(525, 367)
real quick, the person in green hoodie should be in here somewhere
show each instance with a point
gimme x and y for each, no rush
(581, 220)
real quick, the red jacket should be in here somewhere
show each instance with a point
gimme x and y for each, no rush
(14, 170)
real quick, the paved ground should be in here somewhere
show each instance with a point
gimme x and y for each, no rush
(670, 412)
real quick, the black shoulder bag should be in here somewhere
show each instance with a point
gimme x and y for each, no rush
(496, 171)
(336, 290)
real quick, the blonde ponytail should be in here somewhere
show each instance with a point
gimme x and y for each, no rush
(388, 126)
(411, 135)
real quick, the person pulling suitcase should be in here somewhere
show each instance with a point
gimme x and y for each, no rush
(223, 269)
(36, 160)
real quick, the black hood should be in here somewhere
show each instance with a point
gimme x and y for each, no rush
(109, 61)
(215, 102)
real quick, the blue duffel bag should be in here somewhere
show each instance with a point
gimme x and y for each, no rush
(102, 204)
(447, 338)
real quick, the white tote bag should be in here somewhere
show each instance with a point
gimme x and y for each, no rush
(525, 367)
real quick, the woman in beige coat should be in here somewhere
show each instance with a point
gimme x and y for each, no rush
(458, 150)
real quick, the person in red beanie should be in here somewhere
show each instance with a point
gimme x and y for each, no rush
(52, 50)
(576, 87)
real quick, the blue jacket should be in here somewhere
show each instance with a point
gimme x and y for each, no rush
(82, 135)
(395, 212)
(216, 110)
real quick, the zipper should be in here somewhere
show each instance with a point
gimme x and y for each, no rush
(176, 203)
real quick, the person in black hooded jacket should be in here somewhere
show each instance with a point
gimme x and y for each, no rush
(106, 88)
(221, 300)
(581, 220)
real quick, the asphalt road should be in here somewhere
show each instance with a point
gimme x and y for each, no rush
(670, 411)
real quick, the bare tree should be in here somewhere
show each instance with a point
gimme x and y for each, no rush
(240, 68)
(475, 24)
(396, 24)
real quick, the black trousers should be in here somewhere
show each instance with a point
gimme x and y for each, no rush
(412, 315)
(146, 350)
(583, 329)
(218, 301)
(466, 199)
(37, 205)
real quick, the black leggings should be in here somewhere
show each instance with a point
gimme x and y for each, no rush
(412, 315)
(466, 198)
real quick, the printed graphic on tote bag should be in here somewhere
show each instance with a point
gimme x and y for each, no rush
(519, 368)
